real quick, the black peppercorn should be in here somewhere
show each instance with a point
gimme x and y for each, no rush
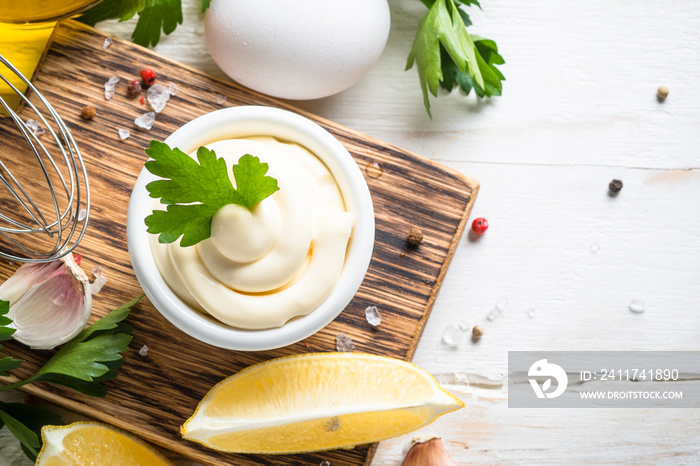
(615, 186)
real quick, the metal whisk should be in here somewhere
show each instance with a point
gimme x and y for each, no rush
(43, 216)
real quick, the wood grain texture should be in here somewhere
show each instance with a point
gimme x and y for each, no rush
(155, 394)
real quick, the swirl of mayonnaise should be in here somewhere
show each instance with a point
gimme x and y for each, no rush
(270, 263)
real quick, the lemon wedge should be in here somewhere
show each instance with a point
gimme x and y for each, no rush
(317, 401)
(83, 443)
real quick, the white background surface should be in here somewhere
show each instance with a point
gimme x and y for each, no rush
(578, 109)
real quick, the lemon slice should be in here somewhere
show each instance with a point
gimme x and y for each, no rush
(84, 443)
(317, 401)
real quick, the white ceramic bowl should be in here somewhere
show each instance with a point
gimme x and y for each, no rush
(235, 122)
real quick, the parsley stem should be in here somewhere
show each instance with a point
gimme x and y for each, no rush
(18, 384)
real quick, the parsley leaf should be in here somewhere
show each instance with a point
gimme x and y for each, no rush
(447, 55)
(161, 14)
(25, 423)
(154, 16)
(194, 190)
(90, 358)
(113, 9)
(7, 363)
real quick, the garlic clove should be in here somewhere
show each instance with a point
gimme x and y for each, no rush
(428, 453)
(54, 305)
(24, 278)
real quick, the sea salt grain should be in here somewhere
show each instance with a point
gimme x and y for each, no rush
(325, 463)
(143, 351)
(372, 316)
(111, 86)
(502, 303)
(158, 95)
(451, 336)
(96, 286)
(343, 343)
(637, 305)
(146, 120)
(35, 127)
(108, 41)
(97, 271)
(493, 314)
(220, 99)
(82, 213)
(124, 133)
(172, 88)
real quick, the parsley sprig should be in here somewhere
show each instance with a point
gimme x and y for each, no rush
(194, 190)
(83, 364)
(447, 55)
(154, 16)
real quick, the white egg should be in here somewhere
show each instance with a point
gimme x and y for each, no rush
(297, 49)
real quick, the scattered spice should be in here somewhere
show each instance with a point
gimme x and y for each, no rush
(477, 332)
(402, 254)
(480, 225)
(415, 236)
(134, 88)
(88, 112)
(148, 76)
(662, 93)
(143, 100)
(615, 186)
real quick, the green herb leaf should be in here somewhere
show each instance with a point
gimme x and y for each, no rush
(26, 423)
(195, 189)
(7, 363)
(113, 9)
(205, 5)
(161, 14)
(447, 55)
(251, 183)
(5, 331)
(88, 359)
(28, 439)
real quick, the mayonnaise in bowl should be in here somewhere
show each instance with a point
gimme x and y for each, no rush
(263, 266)
(270, 274)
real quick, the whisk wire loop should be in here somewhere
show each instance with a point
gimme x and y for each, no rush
(70, 204)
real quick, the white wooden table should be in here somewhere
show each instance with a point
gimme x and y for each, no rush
(579, 108)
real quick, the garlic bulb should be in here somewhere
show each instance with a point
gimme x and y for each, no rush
(428, 453)
(50, 302)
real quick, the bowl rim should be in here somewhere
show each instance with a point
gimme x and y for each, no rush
(251, 120)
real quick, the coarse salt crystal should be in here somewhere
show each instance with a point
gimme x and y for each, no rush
(158, 95)
(111, 86)
(452, 336)
(220, 99)
(108, 41)
(146, 120)
(97, 270)
(172, 88)
(143, 351)
(372, 316)
(344, 343)
(82, 213)
(124, 133)
(96, 286)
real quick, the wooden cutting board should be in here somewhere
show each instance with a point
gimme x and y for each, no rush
(155, 394)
